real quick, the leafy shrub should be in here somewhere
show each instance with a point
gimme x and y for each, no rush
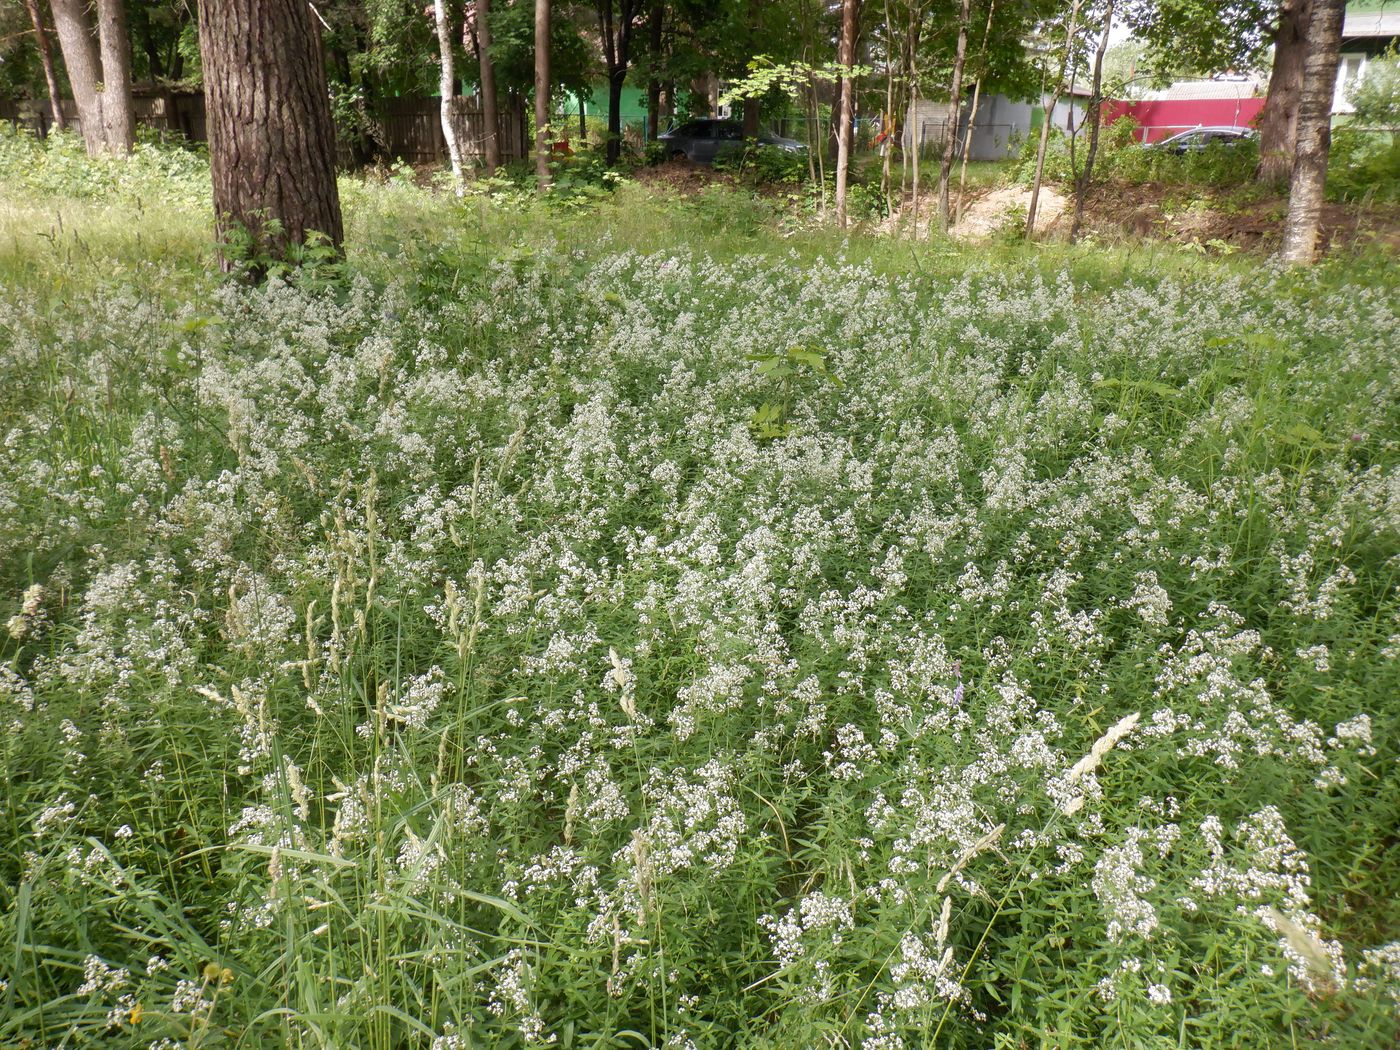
(1120, 156)
(58, 166)
(1364, 164)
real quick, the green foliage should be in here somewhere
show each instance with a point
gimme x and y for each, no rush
(790, 370)
(1121, 157)
(572, 67)
(58, 166)
(1364, 164)
(1201, 37)
(1375, 96)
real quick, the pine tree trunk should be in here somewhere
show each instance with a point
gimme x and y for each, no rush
(41, 38)
(1278, 121)
(847, 58)
(114, 42)
(1308, 184)
(447, 80)
(80, 59)
(542, 94)
(950, 138)
(490, 109)
(271, 142)
(1081, 184)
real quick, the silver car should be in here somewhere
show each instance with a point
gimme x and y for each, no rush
(705, 141)
(1197, 139)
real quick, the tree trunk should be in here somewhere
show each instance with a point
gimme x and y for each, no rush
(490, 110)
(271, 142)
(1040, 163)
(751, 114)
(118, 120)
(447, 81)
(615, 85)
(1081, 184)
(542, 94)
(972, 114)
(1278, 121)
(617, 43)
(1309, 181)
(847, 58)
(950, 138)
(887, 118)
(655, 40)
(967, 150)
(79, 49)
(1045, 125)
(917, 131)
(41, 38)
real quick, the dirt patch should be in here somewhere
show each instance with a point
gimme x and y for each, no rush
(1008, 206)
(1236, 219)
(1218, 220)
(682, 177)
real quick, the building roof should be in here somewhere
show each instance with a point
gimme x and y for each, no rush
(1372, 23)
(1184, 90)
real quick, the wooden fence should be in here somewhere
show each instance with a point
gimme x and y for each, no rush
(408, 129)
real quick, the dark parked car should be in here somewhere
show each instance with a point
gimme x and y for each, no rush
(1198, 139)
(704, 141)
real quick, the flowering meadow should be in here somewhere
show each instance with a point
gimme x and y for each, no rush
(568, 643)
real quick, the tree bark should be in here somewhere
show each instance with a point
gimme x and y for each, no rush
(972, 113)
(447, 80)
(79, 49)
(1308, 184)
(1278, 121)
(1045, 125)
(490, 108)
(41, 38)
(850, 15)
(267, 107)
(617, 46)
(1081, 184)
(655, 41)
(542, 94)
(114, 43)
(950, 138)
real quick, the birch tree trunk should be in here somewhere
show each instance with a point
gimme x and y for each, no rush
(79, 49)
(41, 38)
(1309, 181)
(972, 116)
(490, 110)
(1045, 125)
(1278, 121)
(542, 94)
(1081, 184)
(447, 81)
(268, 113)
(950, 138)
(114, 43)
(849, 16)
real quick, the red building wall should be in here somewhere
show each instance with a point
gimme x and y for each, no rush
(1163, 119)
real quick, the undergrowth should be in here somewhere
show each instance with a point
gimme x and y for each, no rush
(586, 627)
